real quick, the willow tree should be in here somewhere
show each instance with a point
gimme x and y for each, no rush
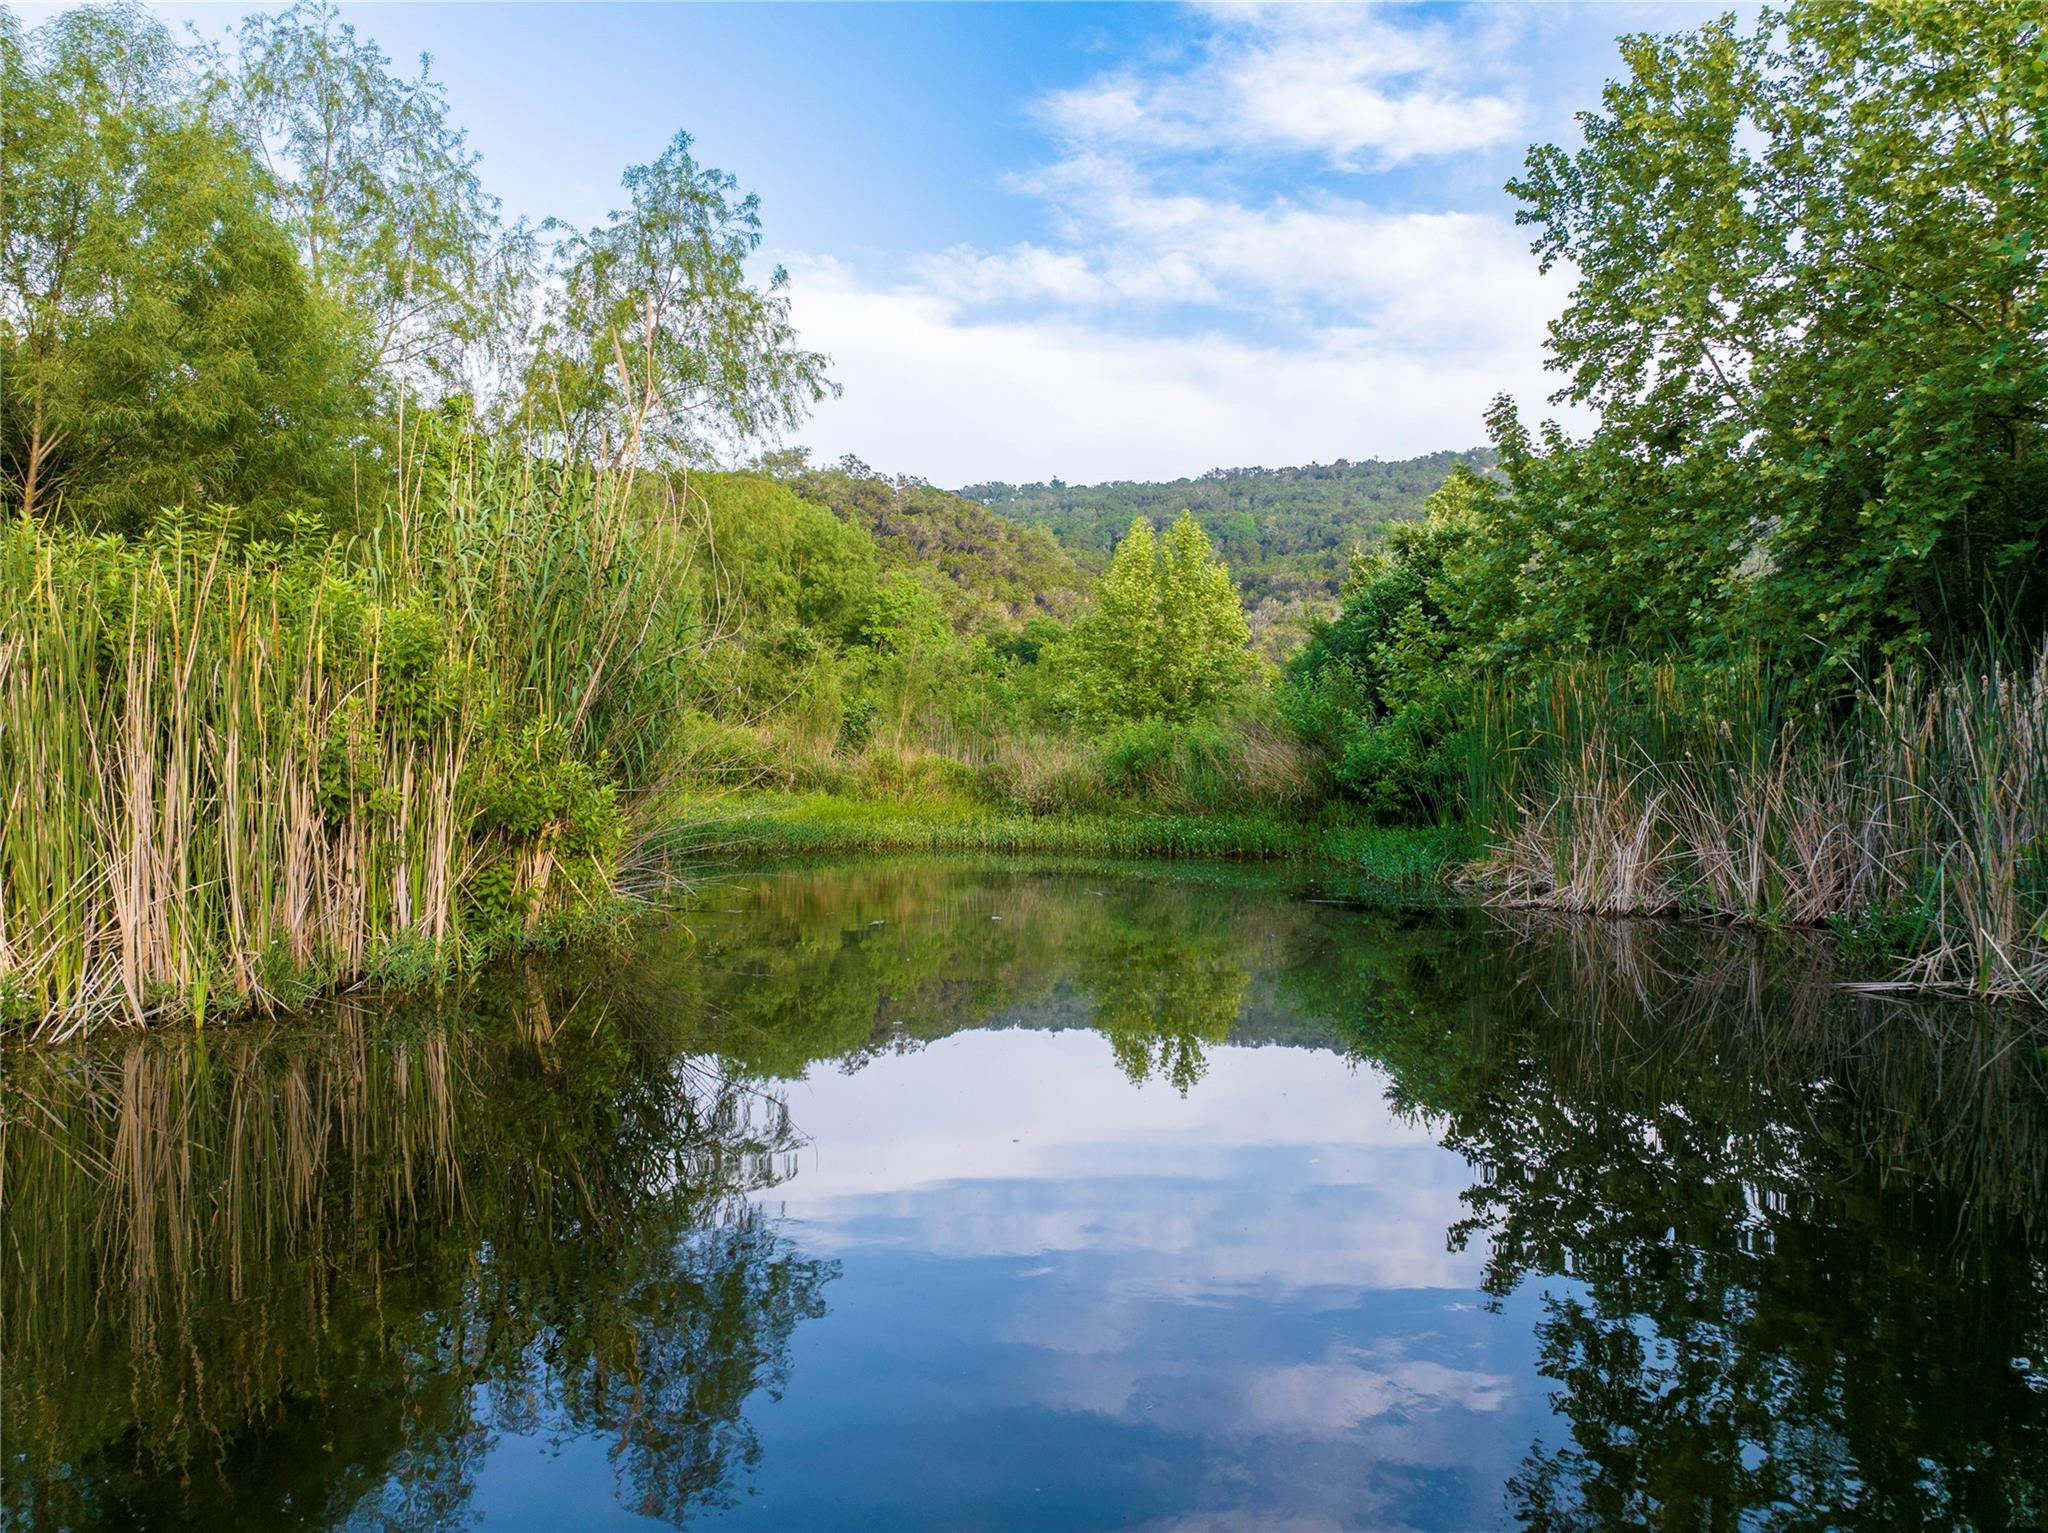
(660, 344)
(1167, 637)
(380, 193)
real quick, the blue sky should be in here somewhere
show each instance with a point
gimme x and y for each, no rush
(1093, 241)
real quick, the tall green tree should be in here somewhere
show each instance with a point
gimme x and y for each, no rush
(1204, 652)
(1116, 646)
(159, 344)
(660, 345)
(1167, 637)
(381, 195)
(1811, 312)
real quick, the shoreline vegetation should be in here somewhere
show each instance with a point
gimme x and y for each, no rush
(360, 621)
(752, 827)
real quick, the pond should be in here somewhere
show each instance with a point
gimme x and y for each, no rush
(978, 1194)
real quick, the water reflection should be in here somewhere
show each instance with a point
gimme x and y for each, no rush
(310, 1277)
(848, 963)
(837, 1206)
(1808, 1279)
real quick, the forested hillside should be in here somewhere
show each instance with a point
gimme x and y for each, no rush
(987, 568)
(1287, 532)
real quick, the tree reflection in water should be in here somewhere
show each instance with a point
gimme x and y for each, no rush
(848, 962)
(1797, 1228)
(1786, 1234)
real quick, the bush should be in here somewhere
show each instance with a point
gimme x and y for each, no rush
(1205, 764)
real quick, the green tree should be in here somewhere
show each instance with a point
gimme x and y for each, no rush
(1285, 531)
(1381, 686)
(380, 192)
(1204, 641)
(903, 617)
(159, 342)
(1168, 637)
(789, 562)
(1811, 312)
(1115, 647)
(659, 345)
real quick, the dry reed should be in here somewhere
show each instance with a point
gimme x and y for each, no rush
(1923, 808)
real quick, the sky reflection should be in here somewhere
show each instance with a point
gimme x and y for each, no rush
(1241, 1297)
(1168, 1201)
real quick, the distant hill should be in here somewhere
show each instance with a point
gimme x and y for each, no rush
(1287, 532)
(991, 572)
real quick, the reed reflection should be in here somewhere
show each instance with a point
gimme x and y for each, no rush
(310, 1277)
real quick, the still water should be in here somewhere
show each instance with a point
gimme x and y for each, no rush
(988, 1195)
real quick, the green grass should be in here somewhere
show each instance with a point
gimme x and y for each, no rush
(763, 826)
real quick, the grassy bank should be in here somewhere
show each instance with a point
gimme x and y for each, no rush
(768, 825)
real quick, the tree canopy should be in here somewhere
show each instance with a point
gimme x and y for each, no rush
(160, 342)
(225, 271)
(1286, 531)
(1811, 313)
(378, 189)
(1167, 637)
(659, 344)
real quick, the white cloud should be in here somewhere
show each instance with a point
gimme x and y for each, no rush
(1029, 272)
(1174, 1197)
(1343, 82)
(1334, 1397)
(933, 389)
(1174, 322)
(1447, 279)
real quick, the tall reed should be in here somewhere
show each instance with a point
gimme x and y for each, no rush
(176, 730)
(1919, 810)
(233, 774)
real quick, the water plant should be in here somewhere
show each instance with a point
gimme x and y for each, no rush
(236, 771)
(1915, 814)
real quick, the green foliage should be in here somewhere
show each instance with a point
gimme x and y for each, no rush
(995, 574)
(1167, 637)
(1812, 311)
(1285, 531)
(857, 723)
(378, 189)
(791, 563)
(903, 618)
(864, 619)
(1116, 647)
(160, 344)
(533, 787)
(236, 771)
(1382, 687)
(658, 345)
(1811, 315)
(1194, 765)
(778, 825)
